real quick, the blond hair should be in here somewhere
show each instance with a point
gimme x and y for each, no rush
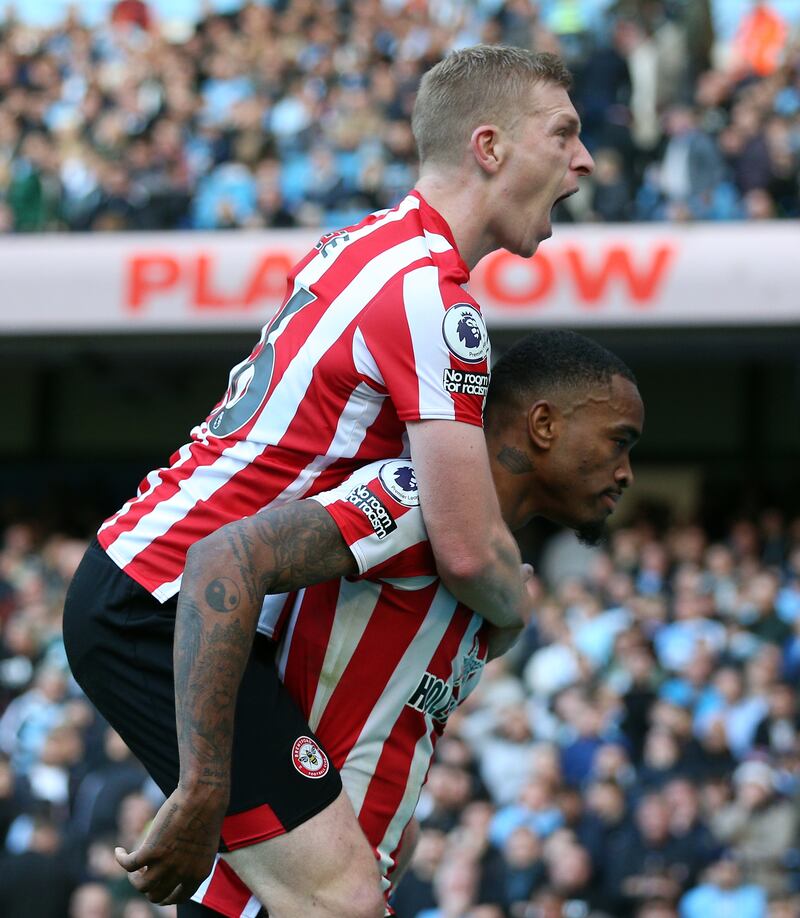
(477, 85)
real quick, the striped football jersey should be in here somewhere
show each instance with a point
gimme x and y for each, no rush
(376, 662)
(376, 330)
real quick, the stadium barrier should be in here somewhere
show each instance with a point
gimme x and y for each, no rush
(633, 274)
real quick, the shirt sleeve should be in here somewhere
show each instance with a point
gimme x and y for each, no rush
(377, 512)
(428, 343)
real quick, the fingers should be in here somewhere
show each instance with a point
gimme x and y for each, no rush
(129, 861)
(159, 886)
(155, 881)
(176, 896)
(165, 892)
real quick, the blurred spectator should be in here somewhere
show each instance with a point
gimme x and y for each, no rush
(557, 664)
(656, 908)
(661, 759)
(415, 894)
(692, 166)
(688, 825)
(131, 13)
(507, 754)
(455, 887)
(648, 863)
(738, 712)
(611, 193)
(447, 792)
(778, 734)
(584, 736)
(571, 874)
(15, 797)
(535, 809)
(39, 879)
(694, 629)
(759, 40)
(472, 837)
(723, 892)
(524, 866)
(606, 824)
(171, 93)
(603, 89)
(91, 900)
(34, 191)
(99, 794)
(759, 824)
(783, 907)
(633, 676)
(610, 795)
(28, 719)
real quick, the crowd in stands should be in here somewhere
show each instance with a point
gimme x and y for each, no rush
(296, 112)
(636, 755)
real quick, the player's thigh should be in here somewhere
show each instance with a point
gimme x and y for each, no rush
(280, 775)
(291, 834)
(118, 640)
(323, 868)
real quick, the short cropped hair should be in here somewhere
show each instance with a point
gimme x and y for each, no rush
(477, 85)
(545, 362)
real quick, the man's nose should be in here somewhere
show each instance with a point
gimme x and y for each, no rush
(582, 162)
(624, 473)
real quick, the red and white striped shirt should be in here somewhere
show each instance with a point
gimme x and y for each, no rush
(376, 662)
(376, 330)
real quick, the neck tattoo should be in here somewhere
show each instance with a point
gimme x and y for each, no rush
(514, 460)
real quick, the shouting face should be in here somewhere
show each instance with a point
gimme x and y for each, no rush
(543, 159)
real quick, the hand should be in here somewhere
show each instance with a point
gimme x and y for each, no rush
(178, 851)
(500, 640)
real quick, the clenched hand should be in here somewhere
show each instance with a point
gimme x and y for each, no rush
(178, 851)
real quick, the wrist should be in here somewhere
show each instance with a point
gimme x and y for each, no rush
(206, 782)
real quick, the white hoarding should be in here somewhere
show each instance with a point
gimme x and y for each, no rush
(624, 275)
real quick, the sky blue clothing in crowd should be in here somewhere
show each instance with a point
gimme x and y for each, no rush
(541, 822)
(707, 900)
(95, 12)
(557, 14)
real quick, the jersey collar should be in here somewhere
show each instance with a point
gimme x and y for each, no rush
(433, 220)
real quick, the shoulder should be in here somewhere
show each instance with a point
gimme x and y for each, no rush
(388, 486)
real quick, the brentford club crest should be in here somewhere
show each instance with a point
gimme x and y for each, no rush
(309, 759)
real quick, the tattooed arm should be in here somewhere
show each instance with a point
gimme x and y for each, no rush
(502, 640)
(226, 577)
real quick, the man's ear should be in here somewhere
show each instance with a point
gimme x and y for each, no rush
(487, 147)
(542, 424)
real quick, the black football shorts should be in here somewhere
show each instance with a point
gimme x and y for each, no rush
(119, 641)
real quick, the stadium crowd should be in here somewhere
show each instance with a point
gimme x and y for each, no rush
(296, 112)
(637, 755)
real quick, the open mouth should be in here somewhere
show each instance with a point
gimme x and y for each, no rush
(564, 196)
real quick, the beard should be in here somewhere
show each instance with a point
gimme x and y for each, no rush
(593, 533)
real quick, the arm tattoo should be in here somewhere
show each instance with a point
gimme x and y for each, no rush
(306, 549)
(514, 460)
(222, 594)
(230, 572)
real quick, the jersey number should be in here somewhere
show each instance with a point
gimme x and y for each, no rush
(249, 381)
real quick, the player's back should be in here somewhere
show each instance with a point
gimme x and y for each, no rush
(329, 387)
(378, 662)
